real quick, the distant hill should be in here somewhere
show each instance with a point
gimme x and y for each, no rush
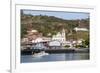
(50, 24)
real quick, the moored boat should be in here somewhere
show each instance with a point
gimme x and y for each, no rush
(40, 54)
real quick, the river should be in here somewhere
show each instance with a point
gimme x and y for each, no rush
(55, 57)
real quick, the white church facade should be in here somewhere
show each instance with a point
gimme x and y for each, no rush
(60, 36)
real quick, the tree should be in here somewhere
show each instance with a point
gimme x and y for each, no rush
(87, 42)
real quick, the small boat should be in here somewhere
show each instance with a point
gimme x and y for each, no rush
(40, 54)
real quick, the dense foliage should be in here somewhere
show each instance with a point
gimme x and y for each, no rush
(50, 25)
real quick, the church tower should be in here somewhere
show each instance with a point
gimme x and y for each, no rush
(63, 35)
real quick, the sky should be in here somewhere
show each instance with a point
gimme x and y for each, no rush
(59, 14)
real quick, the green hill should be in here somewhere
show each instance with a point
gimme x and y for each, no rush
(51, 25)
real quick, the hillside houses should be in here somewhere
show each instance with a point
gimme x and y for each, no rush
(34, 39)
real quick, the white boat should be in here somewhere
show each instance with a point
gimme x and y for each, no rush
(40, 54)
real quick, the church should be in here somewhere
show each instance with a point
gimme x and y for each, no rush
(60, 36)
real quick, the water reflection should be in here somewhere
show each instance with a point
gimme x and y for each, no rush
(55, 57)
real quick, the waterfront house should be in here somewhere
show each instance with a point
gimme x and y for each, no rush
(33, 34)
(69, 43)
(54, 44)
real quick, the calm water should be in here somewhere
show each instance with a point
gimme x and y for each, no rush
(55, 57)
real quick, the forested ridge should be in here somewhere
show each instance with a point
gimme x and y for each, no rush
(50, 25)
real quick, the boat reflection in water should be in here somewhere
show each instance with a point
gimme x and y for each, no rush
(54, 57)
(40, 54)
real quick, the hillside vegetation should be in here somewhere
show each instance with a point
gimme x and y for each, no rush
(50, 25)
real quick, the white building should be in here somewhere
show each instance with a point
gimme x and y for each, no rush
(54, 43)
(79, 42)
(41, 39)
(69, 43)
(60, 36)
(80, 29)
(74, 43)
(37, 40)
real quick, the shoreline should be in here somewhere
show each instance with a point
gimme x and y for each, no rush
(53, 51)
